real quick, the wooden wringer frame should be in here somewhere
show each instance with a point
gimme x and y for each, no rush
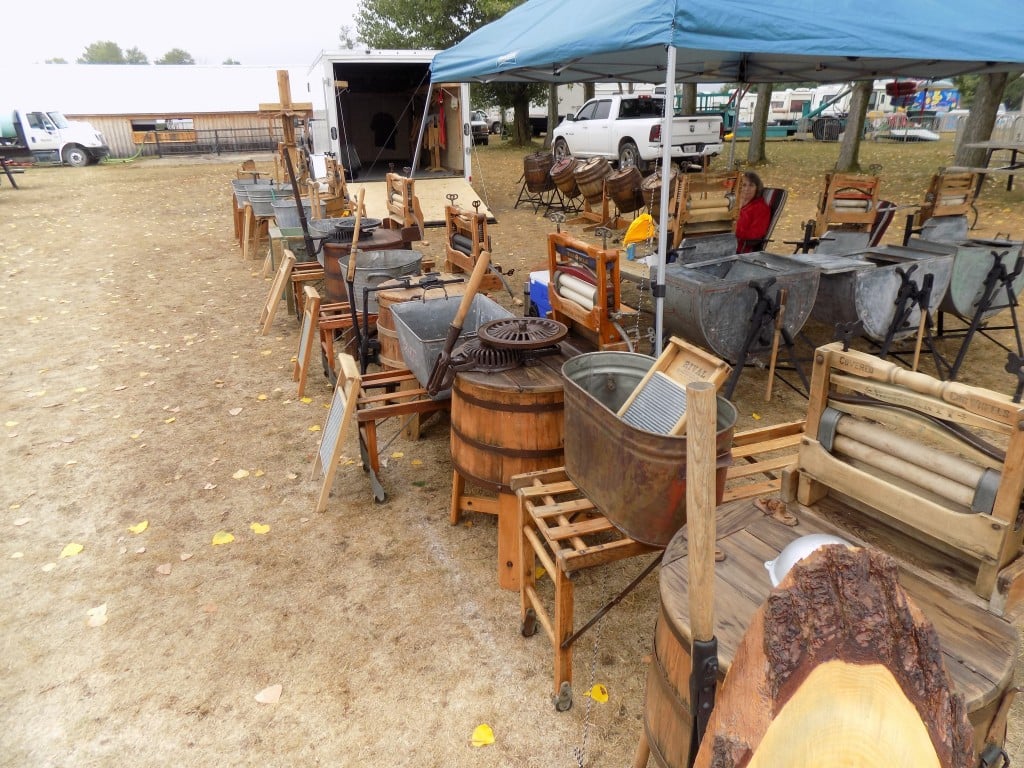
(466, 237)
(704, 204)
(584, 290)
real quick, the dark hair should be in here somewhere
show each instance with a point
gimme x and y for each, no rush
(754, 179)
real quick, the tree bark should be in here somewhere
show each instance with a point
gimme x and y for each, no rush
(981, 119)
(552, 114)
(838, 667)
(688, 99)
(849, 150)
(758, 130)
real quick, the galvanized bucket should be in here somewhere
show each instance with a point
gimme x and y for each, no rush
(640, 485)
(422, 329)
(374, 268)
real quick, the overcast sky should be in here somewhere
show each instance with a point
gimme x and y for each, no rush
(269, 32)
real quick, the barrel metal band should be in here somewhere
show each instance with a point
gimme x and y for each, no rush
(512, 407)
(515, 453)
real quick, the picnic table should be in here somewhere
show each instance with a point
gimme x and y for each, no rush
(991, 147)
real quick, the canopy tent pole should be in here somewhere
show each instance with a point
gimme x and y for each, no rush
(423, 129)
(658, 288)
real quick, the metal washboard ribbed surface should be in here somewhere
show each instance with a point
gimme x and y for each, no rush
(658, 406)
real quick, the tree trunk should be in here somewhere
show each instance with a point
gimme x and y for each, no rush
(981, 119)
(552, 114)
(688, 99)
(758, 130)
(522, 133)
(849, 151)
(838, 667)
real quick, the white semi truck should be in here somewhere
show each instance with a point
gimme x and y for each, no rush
(51, 137)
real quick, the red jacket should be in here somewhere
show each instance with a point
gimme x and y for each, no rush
(752, 225)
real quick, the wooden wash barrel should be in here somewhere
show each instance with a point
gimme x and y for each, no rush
(979, 649)
(563, 173)
(508, 422)
(393, 292)
(590, 176)
(624, 189)
(650, 188)
(537, 170)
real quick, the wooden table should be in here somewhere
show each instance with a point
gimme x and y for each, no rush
(991, 147)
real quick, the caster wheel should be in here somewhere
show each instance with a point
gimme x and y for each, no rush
(529, 626)
(563, 700)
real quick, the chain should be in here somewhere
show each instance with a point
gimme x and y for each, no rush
(580, 752)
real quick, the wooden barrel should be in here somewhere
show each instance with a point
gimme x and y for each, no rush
(590, 176)
(564, 176)
(624, 189)
(650, 188)
(508, 422)
(331, 255)
(742, 585)
(537, 170)
(394, 292)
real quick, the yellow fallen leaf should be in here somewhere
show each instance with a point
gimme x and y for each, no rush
(306, 400)
(756, 416)
(259, 528)
(417, 463)
(72, 549)
(261, 397)
(259, 473)
(139, 527)
(397, 455)
(482, 735)
(315, 428)
(240, 474)
(169, 421)
(270, 695)
(538, 573)
(222, 537)
(598, 693)
(10, 423)
(97, 616)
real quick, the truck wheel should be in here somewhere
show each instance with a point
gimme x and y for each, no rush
(75, 156)
(560, 150)
(629, 157)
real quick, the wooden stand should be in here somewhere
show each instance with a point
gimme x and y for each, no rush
(466, 237)
(303, 272)
(335, 324)
(848, 202)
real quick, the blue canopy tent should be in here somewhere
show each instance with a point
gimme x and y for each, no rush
(743, 41)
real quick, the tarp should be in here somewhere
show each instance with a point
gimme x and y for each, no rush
(735, 41)
(731, 41)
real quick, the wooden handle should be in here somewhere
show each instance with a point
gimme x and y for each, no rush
(479, 270)
(355, 242)
(700, 506)
(780, 318)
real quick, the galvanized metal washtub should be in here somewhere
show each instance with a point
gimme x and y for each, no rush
(635, 477)
(971, 264)
(710, 301)
(864, 285)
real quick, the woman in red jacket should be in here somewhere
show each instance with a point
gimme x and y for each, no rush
(755, 215)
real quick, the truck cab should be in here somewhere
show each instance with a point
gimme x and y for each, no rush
(51, 137)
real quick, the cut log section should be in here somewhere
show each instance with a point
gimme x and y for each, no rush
(838, 667)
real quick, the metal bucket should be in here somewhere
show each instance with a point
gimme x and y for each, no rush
(287, 213)
(641, 485)
(262, 197)
(422, 328)
(372, 269)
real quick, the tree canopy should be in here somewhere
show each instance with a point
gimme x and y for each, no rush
(176, 56)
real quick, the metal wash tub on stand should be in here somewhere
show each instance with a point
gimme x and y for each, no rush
(884, 294)
(730, 303)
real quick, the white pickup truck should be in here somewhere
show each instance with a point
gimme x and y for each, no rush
(627, 130)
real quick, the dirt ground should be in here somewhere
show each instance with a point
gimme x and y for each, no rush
(144, 416)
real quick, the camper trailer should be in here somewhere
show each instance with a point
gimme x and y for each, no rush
(368, 106)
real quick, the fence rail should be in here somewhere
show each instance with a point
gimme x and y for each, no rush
(216, 141)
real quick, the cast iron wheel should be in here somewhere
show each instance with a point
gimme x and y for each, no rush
(75, 156)
(560, 150)
(629, 157)
(563, 699)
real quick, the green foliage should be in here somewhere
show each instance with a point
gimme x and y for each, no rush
(1014, 92)
(419, 24)
(176, 56)
(135, 56)
(58, 60)
(104, 52)
(229, 60)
